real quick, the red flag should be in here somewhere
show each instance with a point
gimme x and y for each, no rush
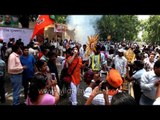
(41, 23)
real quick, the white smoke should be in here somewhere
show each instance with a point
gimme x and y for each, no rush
(83, 25)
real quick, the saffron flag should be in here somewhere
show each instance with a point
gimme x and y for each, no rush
(41, 23)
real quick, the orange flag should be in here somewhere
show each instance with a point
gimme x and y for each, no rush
(41, 23)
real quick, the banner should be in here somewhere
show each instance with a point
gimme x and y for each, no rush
(60, 28)
(130, 55)
(17, 33)
(9, 21)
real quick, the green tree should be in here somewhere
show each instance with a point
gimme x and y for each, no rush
(151, 32)
(119, 27)
(60, 18)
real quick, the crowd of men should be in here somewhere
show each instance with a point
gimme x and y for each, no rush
(104, 72)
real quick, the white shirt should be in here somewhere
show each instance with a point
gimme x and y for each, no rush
(146, 59)
(60, 58)
(149, 65)
(32, 51)
(52, 43)
(63, 62)
(120, 64)
(56, 44)
(98, 99)
(156, 56)
(60, 47)
(147, 84)
(72, 45)
(157, 101)
(82, 54)
(138, 74)
(103, 60)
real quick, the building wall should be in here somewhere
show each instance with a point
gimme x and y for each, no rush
(50, 34)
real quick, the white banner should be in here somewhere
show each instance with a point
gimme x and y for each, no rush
(60, 28)
(18, 33)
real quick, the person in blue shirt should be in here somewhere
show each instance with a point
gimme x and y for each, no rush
(27, 60)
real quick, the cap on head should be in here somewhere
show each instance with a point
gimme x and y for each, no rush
(114, 78)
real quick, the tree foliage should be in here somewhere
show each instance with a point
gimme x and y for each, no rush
(151, 32)
(119, 27)
(60, 18)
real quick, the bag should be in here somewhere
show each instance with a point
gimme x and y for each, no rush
(67, 79)
(65, 76)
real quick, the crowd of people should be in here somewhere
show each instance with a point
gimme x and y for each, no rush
(104, 72)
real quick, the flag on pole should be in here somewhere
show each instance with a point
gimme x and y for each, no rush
(41, 22)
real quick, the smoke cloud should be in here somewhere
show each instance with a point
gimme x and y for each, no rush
(83, 25)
